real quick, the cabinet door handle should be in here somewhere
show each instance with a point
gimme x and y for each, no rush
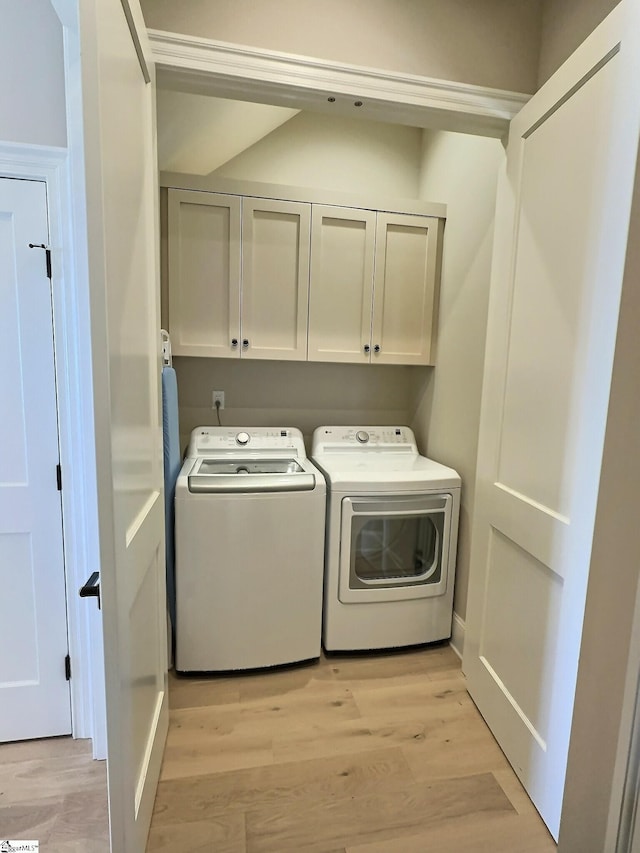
(377, 348)
(367, 348)
(245, 343)
(234, 343)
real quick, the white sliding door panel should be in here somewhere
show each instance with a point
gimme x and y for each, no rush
(562, 220)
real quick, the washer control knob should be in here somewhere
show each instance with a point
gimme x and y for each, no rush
(242, 438)
(362, 436)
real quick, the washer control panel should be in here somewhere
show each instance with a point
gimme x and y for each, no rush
(210, 439)
(364, 438)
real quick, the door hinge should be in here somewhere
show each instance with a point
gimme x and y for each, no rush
(59, 477)
(67, 668)
(47, 255)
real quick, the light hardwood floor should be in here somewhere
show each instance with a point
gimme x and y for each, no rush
(374, 754)
(53, 792)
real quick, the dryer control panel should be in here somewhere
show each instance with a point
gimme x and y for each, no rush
(364, 438)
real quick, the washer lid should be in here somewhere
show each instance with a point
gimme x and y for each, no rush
(370, 472)
(244, 475)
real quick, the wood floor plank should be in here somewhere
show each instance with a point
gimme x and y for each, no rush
(280, 682)
(222, 834)
(425, 699)
(217, 754)
(367, 669)
(317, 701)
(52, 747)
(189, 692)
(470, 834)
(313, 824)
(83, 817)
(458, 747)
(27, 781)
(31, 820)
(435, 748)
(280, 785)
(85, 845)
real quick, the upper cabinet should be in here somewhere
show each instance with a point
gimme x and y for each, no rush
(341, 291)
(405, 296)
(238, 276)
(253, 277)
(275, 278)
(204, 273)
(373, 286)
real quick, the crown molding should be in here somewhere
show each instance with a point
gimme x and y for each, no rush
(203, 66)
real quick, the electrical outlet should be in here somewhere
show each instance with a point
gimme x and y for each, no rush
(218, 396)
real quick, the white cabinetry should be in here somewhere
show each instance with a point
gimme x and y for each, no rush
(341, 290)
(275, 278)
(204, 272)
(253, 277)
(405, 296)
(238, 275)
(373, 295)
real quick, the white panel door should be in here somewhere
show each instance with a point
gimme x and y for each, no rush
(404, 295)
(561, 231)
(341, 288)
(204, 273)
(275, 278)
(34, 692)
(123, 258)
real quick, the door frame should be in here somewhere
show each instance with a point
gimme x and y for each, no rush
(72, 348)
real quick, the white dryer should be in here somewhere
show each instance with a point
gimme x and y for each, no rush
(390, 552)
(250, 513)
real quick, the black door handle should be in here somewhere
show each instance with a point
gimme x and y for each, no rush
(92, 588)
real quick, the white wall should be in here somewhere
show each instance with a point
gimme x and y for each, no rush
(486, 42)
(285, 393)
(565, 25)
(461, 171)
(32, 100)
(351, 155)
(198, 134)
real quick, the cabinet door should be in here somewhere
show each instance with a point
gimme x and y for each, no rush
(204, 273)
(342, 252)
(405, 293)
(275, 278)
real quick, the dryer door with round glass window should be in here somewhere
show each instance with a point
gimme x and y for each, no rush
(394, 547)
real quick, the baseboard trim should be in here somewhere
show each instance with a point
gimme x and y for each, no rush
(457, 635)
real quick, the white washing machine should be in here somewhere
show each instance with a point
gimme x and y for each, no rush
(250, 514)
(390, 552)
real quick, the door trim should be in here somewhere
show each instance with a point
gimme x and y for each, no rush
(75, 420)
(229, 70)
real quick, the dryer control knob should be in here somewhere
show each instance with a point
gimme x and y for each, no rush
(362, 436)
(242, 438)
